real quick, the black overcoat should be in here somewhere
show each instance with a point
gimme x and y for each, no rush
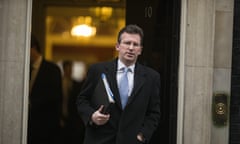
(141, 114)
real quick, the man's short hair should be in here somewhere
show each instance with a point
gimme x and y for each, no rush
(131, 29)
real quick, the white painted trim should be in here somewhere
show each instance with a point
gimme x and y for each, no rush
(26, 71)
(181, 82)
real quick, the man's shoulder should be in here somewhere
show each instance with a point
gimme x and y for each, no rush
(148, 70)
(50, 65)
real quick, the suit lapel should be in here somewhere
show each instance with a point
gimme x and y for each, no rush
(139, 79)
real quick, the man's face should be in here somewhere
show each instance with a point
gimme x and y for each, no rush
(32, 51)
(34, 54)
(129, 48)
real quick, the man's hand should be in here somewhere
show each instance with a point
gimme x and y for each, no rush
(141, 138)
(98, 118)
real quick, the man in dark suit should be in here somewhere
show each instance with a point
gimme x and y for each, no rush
(45, 96)
(72, 125)
(130, 123)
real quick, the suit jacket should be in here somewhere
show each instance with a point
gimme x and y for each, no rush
(141, 114)
(45, 105)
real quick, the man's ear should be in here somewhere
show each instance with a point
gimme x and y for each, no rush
(140, 52)
(117, 46)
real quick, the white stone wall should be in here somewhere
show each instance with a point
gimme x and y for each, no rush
(222, 61)
(14, 57)
(205, 68)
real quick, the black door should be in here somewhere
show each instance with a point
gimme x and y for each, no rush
(160, 20)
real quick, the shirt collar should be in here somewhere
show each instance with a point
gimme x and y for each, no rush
(122, 65)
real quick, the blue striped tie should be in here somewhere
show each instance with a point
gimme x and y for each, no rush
(124, 88)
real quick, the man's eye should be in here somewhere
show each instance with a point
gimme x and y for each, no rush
(136, 45)
(127, 43)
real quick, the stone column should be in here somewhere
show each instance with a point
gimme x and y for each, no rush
(205, 68)
(15, 24)
(196, 72)
(222, 61)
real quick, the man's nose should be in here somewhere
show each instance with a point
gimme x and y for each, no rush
(131, 46)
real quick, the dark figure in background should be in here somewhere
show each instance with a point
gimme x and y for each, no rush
(72, 125)
(45, 97)
(135, 122)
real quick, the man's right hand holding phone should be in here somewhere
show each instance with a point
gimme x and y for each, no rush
(99, 118)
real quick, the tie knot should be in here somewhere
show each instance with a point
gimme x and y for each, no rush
(126, 69)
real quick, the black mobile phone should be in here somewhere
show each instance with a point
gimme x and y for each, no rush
(107, 108)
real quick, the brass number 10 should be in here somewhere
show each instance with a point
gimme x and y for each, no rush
(148, 12)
